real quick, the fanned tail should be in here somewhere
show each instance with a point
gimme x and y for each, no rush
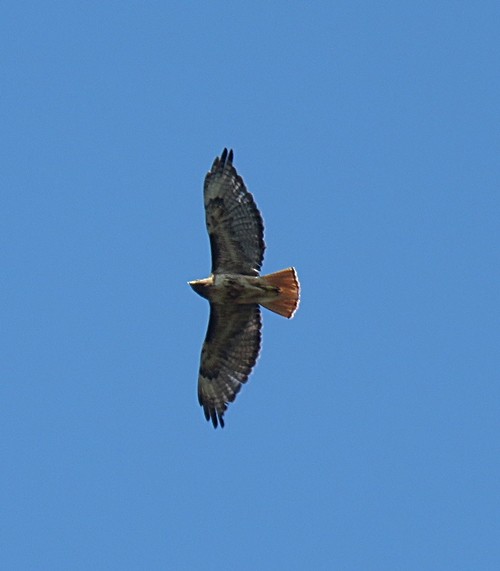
(287, 284)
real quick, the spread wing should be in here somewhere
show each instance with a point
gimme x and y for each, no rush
(234, 223)
(229, 353)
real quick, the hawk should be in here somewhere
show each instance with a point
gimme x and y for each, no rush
(235, 289)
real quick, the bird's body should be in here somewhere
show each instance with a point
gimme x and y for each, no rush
(235, 289)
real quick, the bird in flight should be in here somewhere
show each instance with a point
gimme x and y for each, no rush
(235, 289)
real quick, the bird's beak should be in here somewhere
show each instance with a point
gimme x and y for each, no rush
(200, 286)
(204, 282)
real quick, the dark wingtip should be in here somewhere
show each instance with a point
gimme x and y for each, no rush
(226, 157)
(216, 418)
(211, 414)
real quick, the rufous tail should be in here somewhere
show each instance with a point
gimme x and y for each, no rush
(287, 284)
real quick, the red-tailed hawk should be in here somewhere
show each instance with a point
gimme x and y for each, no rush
(234, 289)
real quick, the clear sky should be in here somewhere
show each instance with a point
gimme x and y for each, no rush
(367, 437)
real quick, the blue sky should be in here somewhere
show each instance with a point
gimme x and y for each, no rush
(368, 435)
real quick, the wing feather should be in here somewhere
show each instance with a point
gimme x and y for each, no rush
(229, 353)
(234, 223)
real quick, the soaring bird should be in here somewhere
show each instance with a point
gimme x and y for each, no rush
(235, 289)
